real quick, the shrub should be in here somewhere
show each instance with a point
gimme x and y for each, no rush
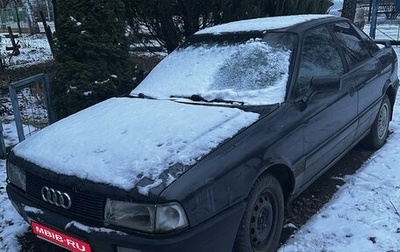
(92, 57)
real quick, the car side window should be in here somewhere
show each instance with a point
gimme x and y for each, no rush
(319, 57)
(355, 50)
(368, 42)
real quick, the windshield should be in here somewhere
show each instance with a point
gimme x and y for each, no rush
(253, 70)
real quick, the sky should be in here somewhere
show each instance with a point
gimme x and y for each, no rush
(364, 214)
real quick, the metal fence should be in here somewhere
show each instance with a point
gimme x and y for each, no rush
(13, 14)
(15, 18)
(34, 93)
(30, 100)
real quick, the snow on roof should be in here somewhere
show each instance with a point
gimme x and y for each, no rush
(261, 24)
(122, 140)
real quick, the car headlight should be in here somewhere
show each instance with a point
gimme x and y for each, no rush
(16, 175)
(159, 218)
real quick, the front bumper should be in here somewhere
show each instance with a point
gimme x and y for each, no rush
(216, 234)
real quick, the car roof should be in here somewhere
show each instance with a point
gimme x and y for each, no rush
(288, 23)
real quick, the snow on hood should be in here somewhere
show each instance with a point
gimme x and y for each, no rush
(123, 140)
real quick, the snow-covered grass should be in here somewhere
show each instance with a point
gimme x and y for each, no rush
(34, 49)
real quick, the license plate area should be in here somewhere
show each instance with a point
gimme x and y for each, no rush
(58, 238)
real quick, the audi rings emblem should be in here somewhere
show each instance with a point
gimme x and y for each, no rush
(55, 197)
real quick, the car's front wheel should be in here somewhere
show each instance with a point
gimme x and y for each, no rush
(380, 128)
(261, 224)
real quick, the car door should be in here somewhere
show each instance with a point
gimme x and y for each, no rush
(365, 69)
(329, 118)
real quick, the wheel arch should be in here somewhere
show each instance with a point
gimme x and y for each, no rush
(285, 177)
(391, 93)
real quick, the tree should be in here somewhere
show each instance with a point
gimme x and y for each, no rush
(92, 59)
(349, 9)
(33, 26)
(172, 21)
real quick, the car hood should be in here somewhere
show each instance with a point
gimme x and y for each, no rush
(133, 143)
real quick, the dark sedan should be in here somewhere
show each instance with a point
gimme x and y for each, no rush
(204, 154)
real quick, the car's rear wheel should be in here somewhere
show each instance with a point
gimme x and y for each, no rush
(261, 224)
(380, 128)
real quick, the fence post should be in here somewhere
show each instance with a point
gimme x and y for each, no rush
(16, 112)
(3, 151)
(18, 21)
(50, 112)
(374, 13)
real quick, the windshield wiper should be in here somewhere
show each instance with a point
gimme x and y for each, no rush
(143, 96)
(237, 103)
(199, 98)
(195, 97)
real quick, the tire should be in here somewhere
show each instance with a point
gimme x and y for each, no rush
(261, 225)
(380, 128)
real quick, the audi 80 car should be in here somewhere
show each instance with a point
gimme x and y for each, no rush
(204, 154)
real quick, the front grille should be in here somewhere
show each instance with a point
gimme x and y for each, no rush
(85, 206)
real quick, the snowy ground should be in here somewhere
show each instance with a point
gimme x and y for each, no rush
(364, 215)
(33, 49)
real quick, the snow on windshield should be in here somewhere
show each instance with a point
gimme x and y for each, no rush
(253, 72)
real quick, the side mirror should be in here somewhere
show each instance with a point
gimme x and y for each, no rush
(320, 84)
(325, 84)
